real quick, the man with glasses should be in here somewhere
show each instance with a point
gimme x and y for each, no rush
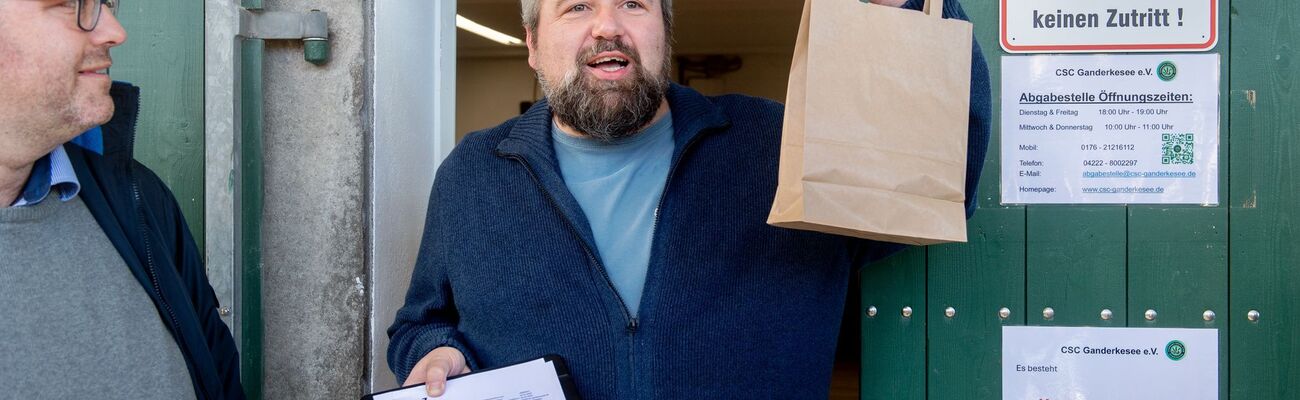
(102, 289)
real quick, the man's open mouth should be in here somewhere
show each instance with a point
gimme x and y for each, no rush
(609, 63)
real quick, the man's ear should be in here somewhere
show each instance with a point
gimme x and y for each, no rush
(532, 48)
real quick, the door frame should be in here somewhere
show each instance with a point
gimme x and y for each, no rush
(413, 104)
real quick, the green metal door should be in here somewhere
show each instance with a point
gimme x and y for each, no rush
(1080, 260)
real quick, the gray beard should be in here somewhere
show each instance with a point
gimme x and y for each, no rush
(606, 111)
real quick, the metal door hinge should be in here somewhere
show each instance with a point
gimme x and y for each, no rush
(311, 27)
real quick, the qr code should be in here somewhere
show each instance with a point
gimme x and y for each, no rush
(1177, 148)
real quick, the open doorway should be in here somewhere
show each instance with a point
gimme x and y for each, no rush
(721, 46)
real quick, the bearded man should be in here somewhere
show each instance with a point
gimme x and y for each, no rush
(620, 223)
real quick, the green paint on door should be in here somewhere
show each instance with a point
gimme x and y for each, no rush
(163, 55)
(1179, 261)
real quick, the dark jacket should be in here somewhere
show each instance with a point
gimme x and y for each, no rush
(732, 307)
(141, 218)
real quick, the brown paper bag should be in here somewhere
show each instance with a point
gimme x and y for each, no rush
(874, 142)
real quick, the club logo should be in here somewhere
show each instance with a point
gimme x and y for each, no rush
(1175, 350)
(1167, 71)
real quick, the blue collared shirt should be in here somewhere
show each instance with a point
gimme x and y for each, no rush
(52, 171)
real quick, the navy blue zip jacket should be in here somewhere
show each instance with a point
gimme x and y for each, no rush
(141, 218)
(732, 308)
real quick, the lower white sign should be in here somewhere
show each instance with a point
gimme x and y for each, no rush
(1063, 363)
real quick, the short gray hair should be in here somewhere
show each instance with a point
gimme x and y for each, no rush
(530, 10)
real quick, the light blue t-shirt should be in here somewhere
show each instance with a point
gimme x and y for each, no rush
(618, 186)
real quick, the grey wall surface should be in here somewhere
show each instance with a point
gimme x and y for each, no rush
(314, 229)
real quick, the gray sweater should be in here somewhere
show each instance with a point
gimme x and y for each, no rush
(76, 324)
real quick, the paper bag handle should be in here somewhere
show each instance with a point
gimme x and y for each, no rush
(931, 5)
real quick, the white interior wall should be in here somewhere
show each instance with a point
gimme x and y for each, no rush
(489, 89)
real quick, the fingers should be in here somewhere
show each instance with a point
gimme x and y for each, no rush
(413, 378)
(417, 373)
(434, 369)
(435, 377)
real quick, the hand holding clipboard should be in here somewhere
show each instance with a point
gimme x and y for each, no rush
(543, 378)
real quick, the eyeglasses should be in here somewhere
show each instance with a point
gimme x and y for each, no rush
(88, 12)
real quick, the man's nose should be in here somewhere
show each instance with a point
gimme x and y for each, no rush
(109, 31)
(607, 25)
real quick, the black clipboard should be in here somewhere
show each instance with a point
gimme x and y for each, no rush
(561, 371)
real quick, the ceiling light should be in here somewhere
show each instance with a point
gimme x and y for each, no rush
(489, 33)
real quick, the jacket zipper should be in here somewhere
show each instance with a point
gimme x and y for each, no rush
(144, 235)
(663, 197)
(148, 246)
(654, 230)
(151, 269)
(148, 251)
(631, 324)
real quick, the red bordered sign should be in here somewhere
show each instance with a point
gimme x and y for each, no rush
(1099, 26)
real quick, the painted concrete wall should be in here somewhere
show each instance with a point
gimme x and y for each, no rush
(314, 230)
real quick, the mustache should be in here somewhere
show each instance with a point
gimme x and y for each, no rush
(606, 45)
(95, 58)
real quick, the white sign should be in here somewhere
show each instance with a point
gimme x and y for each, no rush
(1063, 26)
(1109, 363)
(1110, 129)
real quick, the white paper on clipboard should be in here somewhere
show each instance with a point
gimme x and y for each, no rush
(533, 380)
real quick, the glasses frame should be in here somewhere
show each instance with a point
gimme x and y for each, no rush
(97, 12)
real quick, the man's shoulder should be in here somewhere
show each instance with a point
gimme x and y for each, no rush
(476, 153)
(485, 141)
(744, 101)
(751, 118)
(741, 108)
